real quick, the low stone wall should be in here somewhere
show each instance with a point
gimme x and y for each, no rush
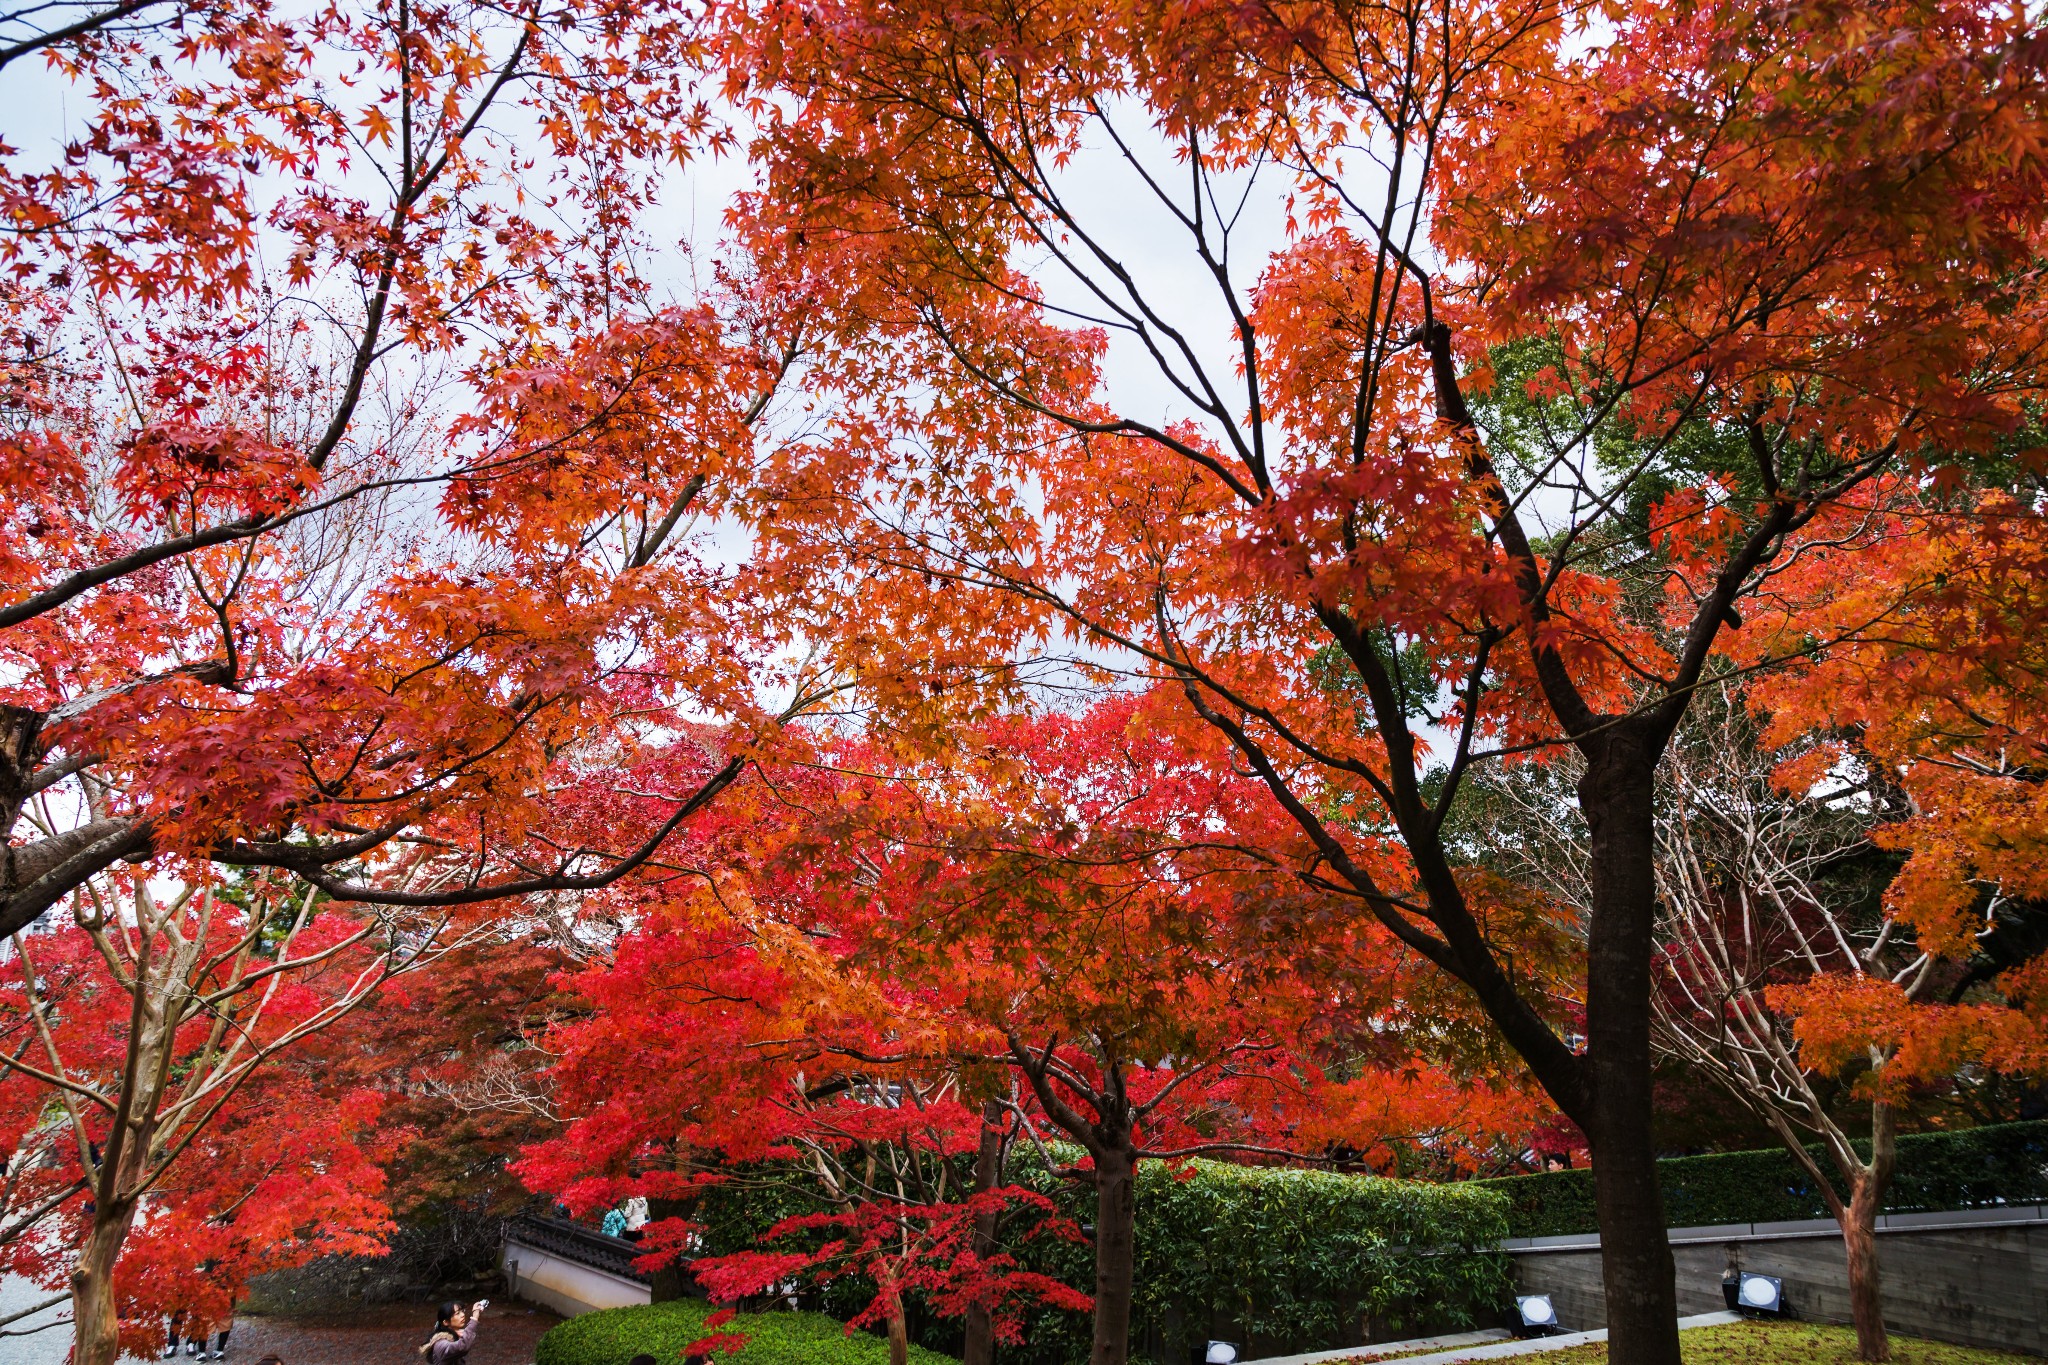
(1978, 1278)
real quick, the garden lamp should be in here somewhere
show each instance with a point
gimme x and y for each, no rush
(1761, 1294)
(1538, 1314)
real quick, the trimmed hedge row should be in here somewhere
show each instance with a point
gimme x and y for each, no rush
(1975, 1168)
(662, 1330)
(1289, 1260)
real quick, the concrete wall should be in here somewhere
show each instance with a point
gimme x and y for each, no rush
(1976, 1279)
(542, 1277)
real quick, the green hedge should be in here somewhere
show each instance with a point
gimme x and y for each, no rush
(1291, 1260)
(662, 1330)
(1973, 1168)
(1288, 1260)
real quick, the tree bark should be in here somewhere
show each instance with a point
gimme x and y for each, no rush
(1116, 1220)
(980, 1347)
(899, 1333)
(1859, 1238)
(1866, 1302)
(94, 1308)
(1617, 796)
(673, 1281)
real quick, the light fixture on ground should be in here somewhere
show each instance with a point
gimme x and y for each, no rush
(1761, 1294)
(1221, 1353)
(1538, 1315)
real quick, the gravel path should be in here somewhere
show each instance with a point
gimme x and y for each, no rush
(381, 1335)
(384, 1336)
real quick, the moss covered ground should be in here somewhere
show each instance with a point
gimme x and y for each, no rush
(1790, 1343)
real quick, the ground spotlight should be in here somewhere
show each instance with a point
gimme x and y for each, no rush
(1539, 1316)
(1221, 1353)
(1760, 1294)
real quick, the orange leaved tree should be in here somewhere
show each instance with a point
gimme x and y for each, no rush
(356, 478)
(1166, 329)
(1938, 710)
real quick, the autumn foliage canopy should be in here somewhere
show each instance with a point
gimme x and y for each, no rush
(997, 641)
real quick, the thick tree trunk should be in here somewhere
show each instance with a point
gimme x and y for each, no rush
(1859, 1237)
(673, 1281)
(1617, 796)
(94, 1309)
(980, 1348)
(1116, 1220)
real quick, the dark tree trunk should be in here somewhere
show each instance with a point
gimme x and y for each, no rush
(1116, 1220)
(980, 1348)
(1617, 796)
(674, 1280)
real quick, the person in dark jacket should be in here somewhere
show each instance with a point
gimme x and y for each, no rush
(454, 1333)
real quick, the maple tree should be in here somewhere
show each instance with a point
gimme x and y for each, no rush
(888, 1152)
(717, 1036)
(377, 545)
(165, 1107)
(1053, 902)
(1104, 915)
(1201, 302)
(362, 491)
(1751, 914)
(1938, 714)
(1786, 963)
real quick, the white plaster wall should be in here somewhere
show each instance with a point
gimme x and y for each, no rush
(570, 1289)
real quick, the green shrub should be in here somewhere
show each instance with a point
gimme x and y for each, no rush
(662, 1330)
(1973, 1168)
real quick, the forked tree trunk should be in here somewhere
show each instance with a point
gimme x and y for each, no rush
(94, 1308)
(1116, 1220)
(980, 1347)
(1617, 796)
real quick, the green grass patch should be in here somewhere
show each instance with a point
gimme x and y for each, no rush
(662, 1330)
(1789, 1343)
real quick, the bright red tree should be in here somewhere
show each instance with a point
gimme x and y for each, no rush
(1058, 910)
(166, 1111)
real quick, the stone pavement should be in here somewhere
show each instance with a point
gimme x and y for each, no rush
(381, 1335)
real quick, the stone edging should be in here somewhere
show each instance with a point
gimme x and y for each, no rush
(2013, 1215)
